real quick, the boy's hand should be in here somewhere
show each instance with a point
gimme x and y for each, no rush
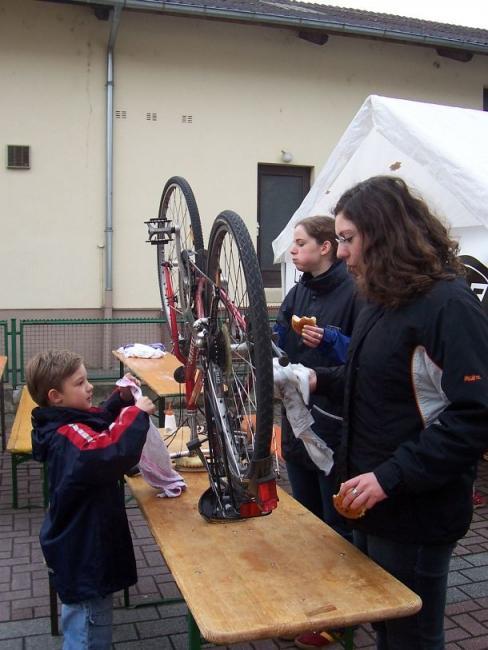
(125, 392)
(145, 404)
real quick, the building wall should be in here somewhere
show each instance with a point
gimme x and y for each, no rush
(251, 91)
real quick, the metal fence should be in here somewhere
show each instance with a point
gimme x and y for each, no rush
(93, 338)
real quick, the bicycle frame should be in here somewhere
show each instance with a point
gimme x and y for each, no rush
(195, 363)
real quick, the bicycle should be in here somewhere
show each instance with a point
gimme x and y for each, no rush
(217, 317)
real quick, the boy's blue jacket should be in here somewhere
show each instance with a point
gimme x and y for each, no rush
(85, 535)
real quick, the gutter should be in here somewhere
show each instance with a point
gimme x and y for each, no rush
(340, 28)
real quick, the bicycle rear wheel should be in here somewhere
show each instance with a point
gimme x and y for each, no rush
(239, 376)
(184, 244)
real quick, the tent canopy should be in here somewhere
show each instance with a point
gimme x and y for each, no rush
(440, 151)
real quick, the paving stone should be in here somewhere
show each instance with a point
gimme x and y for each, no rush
(129, 615)
(44, 642)
(456, 578)
(478, 559)
(476, 589)
(471, 625)
(161, 627)
(125, 632)
(476, 575)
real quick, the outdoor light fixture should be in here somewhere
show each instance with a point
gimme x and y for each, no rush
(286, 156)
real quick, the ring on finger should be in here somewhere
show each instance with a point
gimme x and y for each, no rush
(355, 491)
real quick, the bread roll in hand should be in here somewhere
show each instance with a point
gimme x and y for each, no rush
(298, 323)
(348, 512)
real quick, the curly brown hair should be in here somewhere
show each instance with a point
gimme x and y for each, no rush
(406, 249)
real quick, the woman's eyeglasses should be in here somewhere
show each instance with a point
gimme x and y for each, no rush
(344, 240)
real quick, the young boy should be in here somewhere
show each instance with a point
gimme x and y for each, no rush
(85, 535)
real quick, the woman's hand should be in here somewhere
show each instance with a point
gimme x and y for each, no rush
(362, 491)
(312, 335)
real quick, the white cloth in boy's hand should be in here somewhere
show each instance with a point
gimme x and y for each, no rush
(291, 385)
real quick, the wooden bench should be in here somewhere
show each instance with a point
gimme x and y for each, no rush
(3, 363)
(19, 444)
(266, 577)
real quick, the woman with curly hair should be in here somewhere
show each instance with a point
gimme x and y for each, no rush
(415, 392)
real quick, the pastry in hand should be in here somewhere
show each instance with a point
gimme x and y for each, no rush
(298, 323)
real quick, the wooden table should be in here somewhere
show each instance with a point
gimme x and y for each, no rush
(267, 577)
(3, 363)
(156, 373)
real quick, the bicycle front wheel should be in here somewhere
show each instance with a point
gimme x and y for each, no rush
(177, 256)
(239, 381)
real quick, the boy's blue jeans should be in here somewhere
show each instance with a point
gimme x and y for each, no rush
(88, 625)
(424, 569)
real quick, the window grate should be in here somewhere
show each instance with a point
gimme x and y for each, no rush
(187, 119)
(18, 156)
(152, 117)
(121, 115)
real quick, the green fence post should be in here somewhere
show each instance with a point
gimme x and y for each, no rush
(13, 346)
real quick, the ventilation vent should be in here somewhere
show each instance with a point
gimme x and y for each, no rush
(18, 156)
(121, 115)
(187, 119)
(152, 117)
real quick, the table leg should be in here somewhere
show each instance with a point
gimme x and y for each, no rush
(194, 638)
(2, 411)
(15, 498)
(161, 409)
(347, 640)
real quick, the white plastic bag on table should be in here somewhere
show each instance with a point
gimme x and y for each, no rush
(155, 462)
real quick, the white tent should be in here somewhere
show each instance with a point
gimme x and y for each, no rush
(440, 151)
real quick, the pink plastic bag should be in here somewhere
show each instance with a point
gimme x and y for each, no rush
(155, 463)
(155, 466)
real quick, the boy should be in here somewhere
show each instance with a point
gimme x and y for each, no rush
(85, 535)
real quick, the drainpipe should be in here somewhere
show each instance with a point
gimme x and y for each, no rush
(108, 302)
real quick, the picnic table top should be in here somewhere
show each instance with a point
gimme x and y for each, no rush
(156, 373)
(270, 576)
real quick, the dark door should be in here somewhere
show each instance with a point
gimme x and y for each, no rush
(281, 189)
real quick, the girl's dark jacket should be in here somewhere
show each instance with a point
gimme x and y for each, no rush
(331, 298)
(416, 411)
(85, 535)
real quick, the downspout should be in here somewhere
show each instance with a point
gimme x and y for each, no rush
(108, 299)
(116, 12)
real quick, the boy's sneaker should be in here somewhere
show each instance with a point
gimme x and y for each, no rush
(311, 640)
(478, 500)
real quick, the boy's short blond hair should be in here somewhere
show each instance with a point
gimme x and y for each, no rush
(48, 370)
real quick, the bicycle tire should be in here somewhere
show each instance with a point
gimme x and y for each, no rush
(179, 208)
(239, 376)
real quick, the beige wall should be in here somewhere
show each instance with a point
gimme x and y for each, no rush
(252, 91)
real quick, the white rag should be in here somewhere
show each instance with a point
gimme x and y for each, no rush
(142, 351)
(291, 385)
(155, 463)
